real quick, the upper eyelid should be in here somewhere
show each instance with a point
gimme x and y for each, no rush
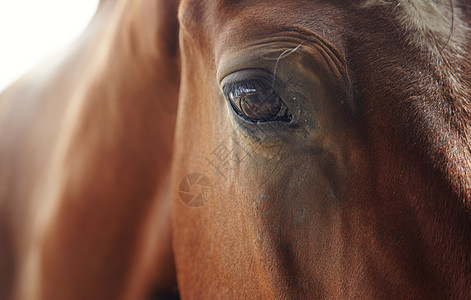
(251, 74)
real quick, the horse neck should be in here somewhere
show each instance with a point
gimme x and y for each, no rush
(128, 89)
(135, 53)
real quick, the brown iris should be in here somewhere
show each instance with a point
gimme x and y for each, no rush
(256, 101)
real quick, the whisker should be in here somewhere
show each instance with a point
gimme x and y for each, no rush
(287, 52)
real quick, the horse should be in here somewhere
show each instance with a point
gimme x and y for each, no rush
(86, 145)
(235, 148)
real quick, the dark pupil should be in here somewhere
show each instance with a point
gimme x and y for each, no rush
(255, 101)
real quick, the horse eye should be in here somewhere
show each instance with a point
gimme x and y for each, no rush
(256, 102)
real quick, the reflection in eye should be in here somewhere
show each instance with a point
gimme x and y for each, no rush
(256, 101)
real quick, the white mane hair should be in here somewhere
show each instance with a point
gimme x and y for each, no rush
(439, 29)
(430, 23)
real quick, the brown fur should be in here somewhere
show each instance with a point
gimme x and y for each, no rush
(365, 195)
(85, 162)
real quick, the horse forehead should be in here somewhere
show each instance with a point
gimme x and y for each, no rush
(208, 17)
(438, 27)
(421, 18)
(219, 25)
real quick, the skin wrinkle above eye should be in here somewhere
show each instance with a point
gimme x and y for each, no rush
(265, 54)
(309, 80)
(255, 110)
(272, 48)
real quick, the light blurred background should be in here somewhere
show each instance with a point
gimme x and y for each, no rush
(33, 29)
